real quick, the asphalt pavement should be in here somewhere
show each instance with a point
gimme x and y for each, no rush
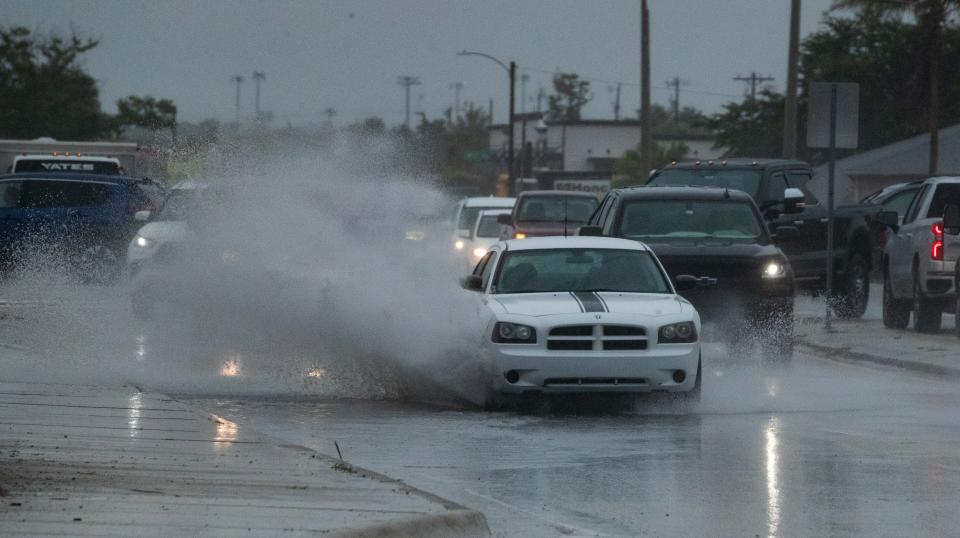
(819, 448)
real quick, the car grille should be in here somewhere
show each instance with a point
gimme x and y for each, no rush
(597, 338)
(616, 381)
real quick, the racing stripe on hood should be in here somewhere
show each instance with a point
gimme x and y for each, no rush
(577, 299)
(589, 301)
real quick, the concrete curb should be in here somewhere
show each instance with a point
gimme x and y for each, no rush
(847, 355)
(458, 522)
(453, 524)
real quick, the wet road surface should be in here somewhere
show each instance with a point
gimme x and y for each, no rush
(819, 448)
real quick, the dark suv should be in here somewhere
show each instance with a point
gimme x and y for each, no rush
(718, 236)
(78, 222)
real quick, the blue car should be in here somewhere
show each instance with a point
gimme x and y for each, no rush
(80, 223)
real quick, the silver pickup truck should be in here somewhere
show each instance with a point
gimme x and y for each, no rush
(920, 259)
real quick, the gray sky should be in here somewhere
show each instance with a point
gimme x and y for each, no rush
(348, 54)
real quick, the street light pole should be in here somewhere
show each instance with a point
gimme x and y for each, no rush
(512, 72)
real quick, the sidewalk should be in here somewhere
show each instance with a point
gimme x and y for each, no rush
(94, 461)
(869, 341)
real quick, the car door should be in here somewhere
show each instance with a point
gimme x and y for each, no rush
(808, 253)
(901, 248)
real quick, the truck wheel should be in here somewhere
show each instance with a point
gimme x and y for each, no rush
(896, 312)
(927, 315)
(855, 289)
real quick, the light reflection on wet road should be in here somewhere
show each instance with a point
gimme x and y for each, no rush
(819, 449)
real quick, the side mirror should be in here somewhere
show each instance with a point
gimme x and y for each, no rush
(951, 219)
(685, 282)
(889, 218)
(472, 283)
(590, 231)
(786, 233)
(142, 216)
(793, 200)
(505, 218)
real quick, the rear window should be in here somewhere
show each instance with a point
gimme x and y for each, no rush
(556, 209)
(488, 227)
(946, 194)
(468, 216)
(41, 193)
(54, 165)
(746, 180)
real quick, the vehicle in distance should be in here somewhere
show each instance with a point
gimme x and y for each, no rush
(49, 155)
(466, 214)
(159, 243)
(81, 222)
(66, 162)
(918, 273)
(719, 236)
(540, 213)
(894, 197)
(485, 233)
(951, 227)
(584, 315)
(767, 181)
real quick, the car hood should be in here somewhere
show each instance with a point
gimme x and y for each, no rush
(546, 304)
(725, 261)
(164, 230)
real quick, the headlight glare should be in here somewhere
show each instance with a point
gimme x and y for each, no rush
(514, 333)
(684, 332)
(458, 245)
(142, 242)
(479, 252)
(774, 269)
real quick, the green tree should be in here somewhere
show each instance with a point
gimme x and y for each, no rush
(45, 92)
(627, 172)
(752, 128)
(146, 112)
(929, 50)
(569, 97)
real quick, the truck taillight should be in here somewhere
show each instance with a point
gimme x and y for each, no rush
(936, 248)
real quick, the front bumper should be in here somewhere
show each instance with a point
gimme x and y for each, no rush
(557, 372)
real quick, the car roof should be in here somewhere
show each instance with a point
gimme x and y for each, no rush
(74, 176)
(658, 192)
(943, 179)
(524, 194)
(573, 241)
(500, 211)
(488, 201)
(737, 162)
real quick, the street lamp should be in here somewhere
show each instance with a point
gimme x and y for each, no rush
(512, 73)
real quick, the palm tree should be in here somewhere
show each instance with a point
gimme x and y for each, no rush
(932, 17)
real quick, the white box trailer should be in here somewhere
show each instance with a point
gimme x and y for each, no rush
(127, 153)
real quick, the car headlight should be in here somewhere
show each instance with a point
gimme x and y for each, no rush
(479, 252)
(458, 245)
(678, 333)
(519, 235)
(514, 333)
(143, 242)
(774, 269)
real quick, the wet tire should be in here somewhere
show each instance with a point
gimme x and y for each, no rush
(854, 293)
(896, 312)
(927, 314)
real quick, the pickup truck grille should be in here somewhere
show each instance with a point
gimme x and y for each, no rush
(597, 338)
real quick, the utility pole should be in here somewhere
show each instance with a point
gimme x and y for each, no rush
(238, 80)
(258, 77)
(790, 101)
(523, 92)
(541, 95)
(754, 79)
(675, 83)
(490, 112)
(645, 131)
(407, 82)
(616, 101)
(329, 112)
(456, 87)
(511, 172)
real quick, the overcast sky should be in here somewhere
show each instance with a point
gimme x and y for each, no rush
(347, 55)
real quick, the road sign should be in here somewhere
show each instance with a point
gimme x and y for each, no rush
(847, 98)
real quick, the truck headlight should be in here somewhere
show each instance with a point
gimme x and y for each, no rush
(143, 242)
(774, 269)
(514, 333)
(458, 245)
(678, 333)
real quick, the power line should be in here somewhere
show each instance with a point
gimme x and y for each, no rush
(630, 84)
(753, 79)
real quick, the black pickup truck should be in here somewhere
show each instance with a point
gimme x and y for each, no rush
(774, 186)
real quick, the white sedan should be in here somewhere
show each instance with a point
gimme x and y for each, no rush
(585, 314)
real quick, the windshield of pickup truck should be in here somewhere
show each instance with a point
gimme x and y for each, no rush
(745, 180)
(562, 270)
(691, 220)
(552, 208)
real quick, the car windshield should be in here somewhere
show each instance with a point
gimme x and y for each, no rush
(552, 208)
(740, 179)
(655, 221)
(569, 269)
(468, 216)
(179, 204)
(488, 227)
(947, 194)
